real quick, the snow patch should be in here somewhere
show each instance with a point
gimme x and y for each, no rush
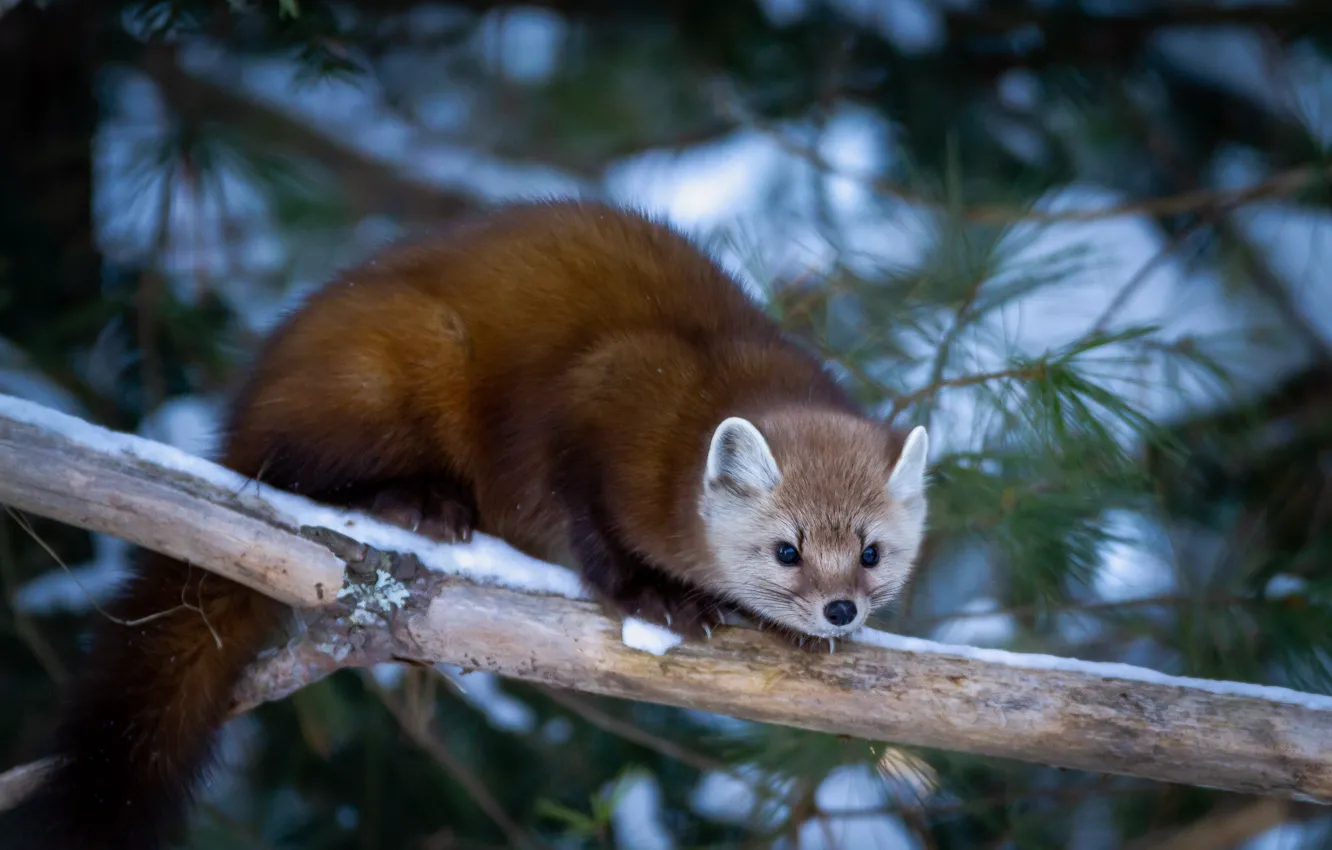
(1102, 669)
(850, 788)
(557, 730)
(636, 817)
(189, 423)
(733, 796)
(485, 560)
(77, 589)
(31, 384)
(1131, 566)
(388, 674)
(720, 724)
(848, 798)
(483, 691)
(977, 627)
(648, 637)
(1282, 585)
(882, 832)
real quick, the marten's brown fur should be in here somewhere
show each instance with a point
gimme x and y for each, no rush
(576, 379)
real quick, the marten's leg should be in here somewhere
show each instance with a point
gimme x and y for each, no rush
(635, 588)
(360, 401)
(619, 577)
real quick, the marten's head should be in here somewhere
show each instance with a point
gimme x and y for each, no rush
(812, 519)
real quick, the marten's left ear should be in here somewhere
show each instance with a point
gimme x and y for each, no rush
(739, 459)
(908, 481)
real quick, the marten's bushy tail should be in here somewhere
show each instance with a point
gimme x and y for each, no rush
(138, 731)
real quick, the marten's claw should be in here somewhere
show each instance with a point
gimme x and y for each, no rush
(449, 522)
(687, 613)
(428, 514)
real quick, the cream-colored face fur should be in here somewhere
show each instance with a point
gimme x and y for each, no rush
(824, 488)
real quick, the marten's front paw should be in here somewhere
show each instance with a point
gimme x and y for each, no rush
(688, 613)
(448, 521)
(442, 519)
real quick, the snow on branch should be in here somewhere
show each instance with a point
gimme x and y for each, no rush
(368, 593)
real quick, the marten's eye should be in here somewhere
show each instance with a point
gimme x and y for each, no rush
(870, 557)
(788, 554)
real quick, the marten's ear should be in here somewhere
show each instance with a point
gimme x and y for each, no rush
(739, 459)
(907, 481)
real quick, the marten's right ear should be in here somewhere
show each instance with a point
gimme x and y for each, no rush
(739, 459)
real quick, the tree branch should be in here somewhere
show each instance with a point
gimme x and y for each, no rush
(402, 597)
(368, 184)
(1282, 184)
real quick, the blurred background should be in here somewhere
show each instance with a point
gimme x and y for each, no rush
(1087, 241)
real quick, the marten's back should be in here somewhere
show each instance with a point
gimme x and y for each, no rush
(456, 350)
(537, 281)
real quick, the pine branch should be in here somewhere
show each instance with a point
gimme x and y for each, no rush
(415, 723)
(405, 598)
(368, 185)
(1229, 827)
(1020, 373)
(1282, 184)
(633, 734)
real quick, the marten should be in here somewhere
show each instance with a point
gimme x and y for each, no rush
(575, 378)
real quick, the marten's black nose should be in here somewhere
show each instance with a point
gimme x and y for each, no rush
(840, 612)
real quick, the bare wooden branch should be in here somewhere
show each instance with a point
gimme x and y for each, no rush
(434, 603)
(52, 475)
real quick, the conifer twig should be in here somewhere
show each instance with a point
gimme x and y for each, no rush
(1228, 827)
(416, 725)
(367, 184)
(632, 733)
(1023, 373)
(1282, 184)
(26, 630)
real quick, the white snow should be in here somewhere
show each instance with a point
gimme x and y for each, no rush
(649, 637)
(486, 560)
(1101, 669)
(850, 788)
(636, 817)
(849, 799)
(1131, 565)
(30, 384)
(523, 43)
(719, 724)
(557, 730)
(190, 423)
(388, 674)
(1291, 835)
(1282, 585)
(76, 590)
(731, 796)
(484, 692)
(238, 740)
(880, 831)
(976, 626)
